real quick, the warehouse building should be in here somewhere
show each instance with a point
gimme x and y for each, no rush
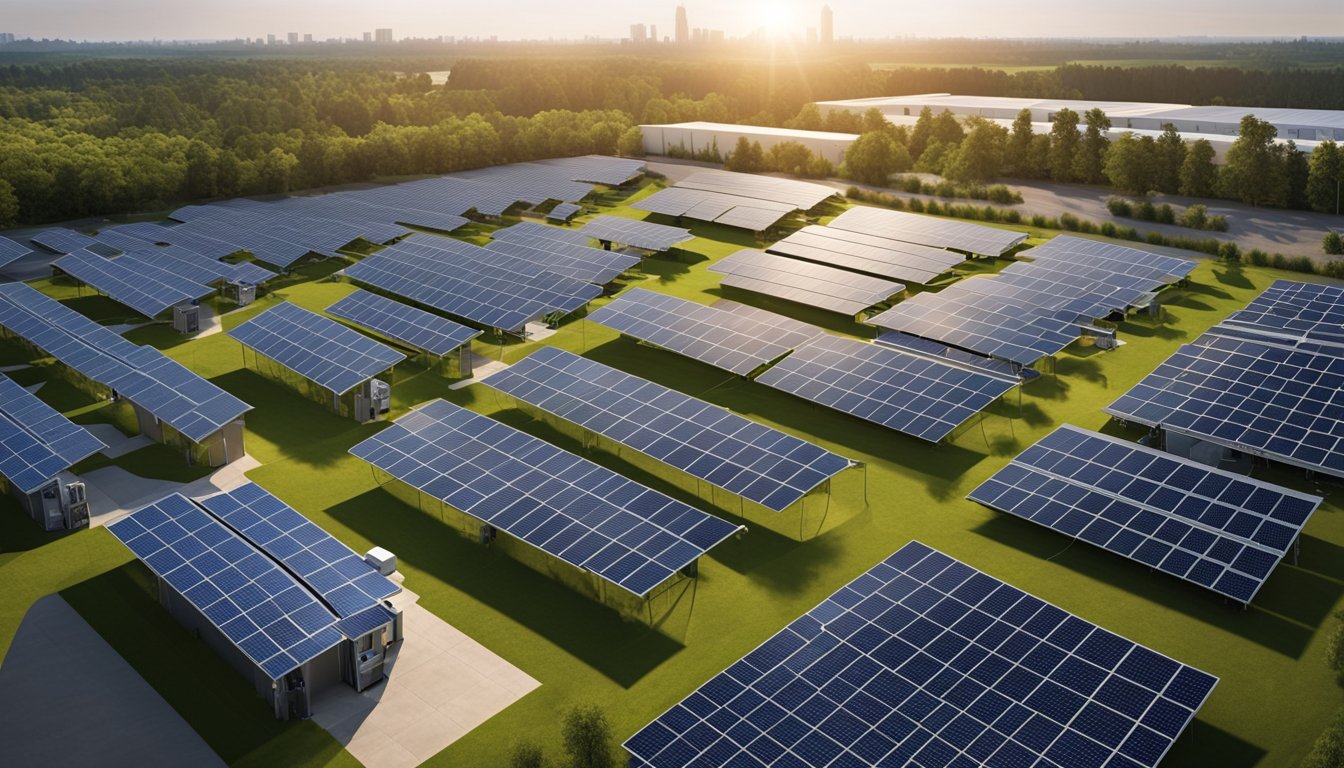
(691, 138)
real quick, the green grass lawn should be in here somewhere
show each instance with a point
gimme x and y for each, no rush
(1275, 695)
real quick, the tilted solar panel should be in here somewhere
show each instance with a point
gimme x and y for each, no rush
(737, 343)
(1294, 311)
(815, 285)
(640, 234)
(62, 240)
(408, 325)
(988, 324)
(893, 259)
(563, 212)
(11, 251)
(147, 288)
(37, 442)
(929, 230)
(580, 262)
(316, 347)
(1120, 258)
(1220, 530)
(921, 661)
(736, 454)
(566, 506)
(801, 195)
(909, 393)
(530, 230)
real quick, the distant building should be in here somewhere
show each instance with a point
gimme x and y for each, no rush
(293, 38)
(270, 39)
(6, 37)
(811, 35)
(382, 35)
(653, 33)
(368, 37)
(690, 138)
(827, 25)
(308, 39)
(638, 33)
(683, 28)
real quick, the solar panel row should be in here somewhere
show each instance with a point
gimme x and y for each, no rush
(62, 240)
(146, 287)
(814, 285)
(408, 325)
(581, 262)
(37, 442)
(1296, 312)
(563, 212)
(906, 262)
(641, 234)
(980, 323)
(316, 347)
(929, 230)
(11, 251)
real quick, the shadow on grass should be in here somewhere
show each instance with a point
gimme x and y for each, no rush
(622, 650)
(1283, 618)
(1152, 329)
(1085, 368)
(1203, 744)
(19, 532)
(216, 701)
(1233, 276)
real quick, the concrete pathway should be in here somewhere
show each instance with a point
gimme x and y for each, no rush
(68, 699)
(480, 368)
(440, 685)
(112, 491)
(118, 444)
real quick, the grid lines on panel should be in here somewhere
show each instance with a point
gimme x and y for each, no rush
(646, 235)
(815, 285)
(408, 325)
(147, 288)
(62, 240)
(928, 230)
(37, 442)
(1300, 311)
(316, 347)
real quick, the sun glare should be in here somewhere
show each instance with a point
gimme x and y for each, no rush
(780, 20)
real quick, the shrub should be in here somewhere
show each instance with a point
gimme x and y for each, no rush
(947, 189)
(933, 208)
(1127, 233)
(1195, 217)
(587, 737)
(1156, 238)
(1216, 224)
(1118, 206)
(1166, 214)
(1012, 217)
(1258, 257)
(1145, 211)
(912, 184)
(1003, 195)
(1333, 244)
(1108, 229)
(1228, 251)
(916, 205)
(1069, 221)
(526, 755)
(1328, 751)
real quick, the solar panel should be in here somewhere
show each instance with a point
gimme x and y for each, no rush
(192, 266)
(937, 349)
(408, 325)
(1294, 312)
(37, 442)
(909, 393)
(203, 244)
(1220, 530)
(147, 288)
(801, 195)
(563, 212)
(987, 324)
(62, 240)
(316, 347)
(346, 583)
(640, 234)
(929, 230)
(580, 262)
(734, 342)
(814, 285)
(1259, 398)
(11, 251)
(924, 661)
(1120, 258)
(906, 262)
(255, 603)
(732, 210)
(528, 231)
(566, 506)
(598, 169)
(122, 241)
(736, 454)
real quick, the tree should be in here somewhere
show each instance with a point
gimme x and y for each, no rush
(1129, 164)
(1325, 177)
(1063, 144)
(979, 157)
(1333, 244)
(1199, 176)
(946, 129)
(1167, 160)
(808, 119)
(1017, 154)
(9, 205)
(1298, 171)
(527, 755)
(1254, 171)
(588, 739)
(874, 120)
(873, 158)
(200, 181)
(1091, 155)
(789, 157)
(631, 143)
(922, 134)
(747, 156)
(934, 158)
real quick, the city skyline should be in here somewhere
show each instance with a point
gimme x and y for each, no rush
(122, 20)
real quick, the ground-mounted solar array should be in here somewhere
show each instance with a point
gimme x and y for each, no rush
(11, 251)
(532, 231)
(193, 266)
(413, 327)
(917, 395)
(562, 257)
(37, 442)
(760, 464)
(869, 254)
(1220, 530)
(61, 240)
(146, 287)
(736, 342)
(815, 285)
(645, 235)
(316, 347)
(926, 661)
(740, 200)
(1118, 258)
(564, 212)
(568, 507)
(929, 230)
(986, 324)
(165, 388)
(1294, 312)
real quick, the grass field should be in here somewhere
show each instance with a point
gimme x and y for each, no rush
(1275, 695)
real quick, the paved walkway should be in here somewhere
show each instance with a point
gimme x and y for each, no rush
(118, 444)
(68, 699)
(440, 685)
(480, 368)
(112, 491)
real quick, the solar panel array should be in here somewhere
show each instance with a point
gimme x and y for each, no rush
(735, 199)
(62, 240)
(37, 442)
(578, 261)
(316, 347)
(738, 343)
(814, 285)
(566, 506)
(171, 392)
(530, 230)
(929, 230)
(909, 393)
(1119, 258)
(1222, 531)
(1297, 312)
(122, 241)
(346, 583)
(736, 454)
(597, 169)
(641, 234)
(801, 195)
(11, 251)
(985, 324)
(925, 661)
(196, 267)
(859, 252)
(145, 287)
(408, 325)
(263, 610)
(563, 212)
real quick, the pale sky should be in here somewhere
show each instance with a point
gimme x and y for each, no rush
(540, 19)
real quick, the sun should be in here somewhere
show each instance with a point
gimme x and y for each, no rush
(780, 19)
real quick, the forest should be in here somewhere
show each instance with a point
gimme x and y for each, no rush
(107, 135)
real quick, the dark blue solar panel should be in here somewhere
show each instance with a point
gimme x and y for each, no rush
(408, 325)
(62, 240)
(263, 610)
(145, 287)
(641, 234)
(316, 347)
(991, 325)
(924, 660)
(36, 441)
(1297, 311)
(568, 507)
(563, 212)
(906, 392)
(349, 585)
(761, 464)
(579, 261)
(11, 251)
(1219, 530)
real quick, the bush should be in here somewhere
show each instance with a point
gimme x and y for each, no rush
(1012, 217)
(1165, 214)
(916, 205)
(1333, 244)
(911, 184)
(1108, 229)
(947, 189)
(1195, 217)
(1328, 751)
(1229, 251)
(1216, 223)
(1068, 221)
(933, 208)
(526, 755)
(1127, 233)
(588, 739)
(1155, 238)
(1003, 195)
(1118, 206)
(1145, 211)
(1037, 220)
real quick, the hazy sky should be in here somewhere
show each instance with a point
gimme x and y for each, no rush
(512, 19)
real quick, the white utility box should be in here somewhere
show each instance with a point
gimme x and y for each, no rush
(384, 561)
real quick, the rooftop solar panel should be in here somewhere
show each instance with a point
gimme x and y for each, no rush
(736, 343)
(922, 661)
(408, 325)
(37, 442)
(1259, 398)
(1222, 531)
(570, 508)
(928, 230)
(62, 240)
(563, 212)
(640, 234)
(815, 285)
(989, 325)
(736, 454)
(11, 251)
(147, 288)
(267, 614)
(909, 393)
(895, 260)
(346, 584)
(316, 347)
